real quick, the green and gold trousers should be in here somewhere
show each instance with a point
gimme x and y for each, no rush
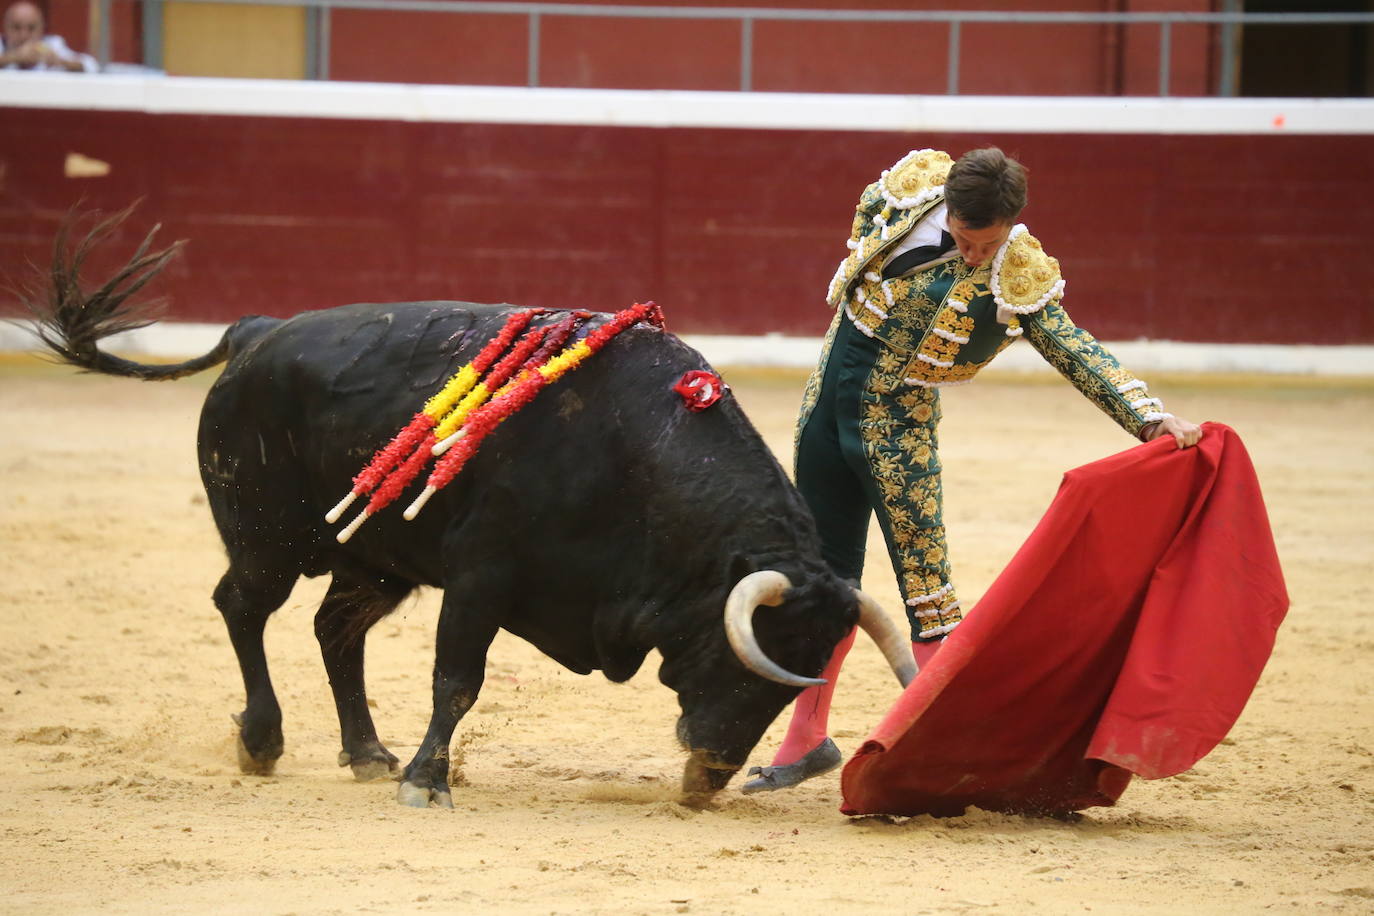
(860, 451)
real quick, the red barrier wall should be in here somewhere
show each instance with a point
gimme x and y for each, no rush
(1197, 238)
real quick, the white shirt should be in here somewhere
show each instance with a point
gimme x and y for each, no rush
(59, 47)
(927, 231)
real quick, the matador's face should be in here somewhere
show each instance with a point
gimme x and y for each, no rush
(978, 246)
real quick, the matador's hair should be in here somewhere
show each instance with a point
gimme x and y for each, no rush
(984, 187)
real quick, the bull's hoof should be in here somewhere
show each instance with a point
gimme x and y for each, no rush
(413, 795)
(376, 763)
(368, 770)
(253, 766)
(823, 759)
(259, 762)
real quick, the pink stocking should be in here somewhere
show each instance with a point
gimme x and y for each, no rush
(811, 711)
(925, 651)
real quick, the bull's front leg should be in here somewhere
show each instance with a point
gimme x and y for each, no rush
(460, 658)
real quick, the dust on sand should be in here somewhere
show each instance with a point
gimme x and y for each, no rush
(121, 793)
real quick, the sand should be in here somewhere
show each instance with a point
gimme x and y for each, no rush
(121, 791)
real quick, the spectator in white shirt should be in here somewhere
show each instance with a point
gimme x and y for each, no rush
(26, 47)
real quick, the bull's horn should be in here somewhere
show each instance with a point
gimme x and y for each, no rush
(763, 587)
(895, 648)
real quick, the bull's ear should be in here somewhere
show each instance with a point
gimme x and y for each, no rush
(741, 566)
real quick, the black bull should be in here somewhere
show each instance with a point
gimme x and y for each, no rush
(600, 522)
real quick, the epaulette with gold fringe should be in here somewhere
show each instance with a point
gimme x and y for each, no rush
(1024, 278)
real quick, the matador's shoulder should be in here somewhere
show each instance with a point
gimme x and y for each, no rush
(915, 179)
(871, 200)
(1024, 277)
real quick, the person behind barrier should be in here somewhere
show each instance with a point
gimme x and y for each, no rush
(939, 279)
(27, 47)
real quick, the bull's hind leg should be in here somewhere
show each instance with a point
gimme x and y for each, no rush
(460, 658)
(348, 611)
(246, 603)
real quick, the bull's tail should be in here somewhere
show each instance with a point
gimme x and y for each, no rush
(71, 322)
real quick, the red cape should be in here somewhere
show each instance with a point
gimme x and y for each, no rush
(1124, 637)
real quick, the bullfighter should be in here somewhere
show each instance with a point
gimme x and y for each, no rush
(938, 280)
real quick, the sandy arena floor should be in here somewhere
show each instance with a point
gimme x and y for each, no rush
(117, 680)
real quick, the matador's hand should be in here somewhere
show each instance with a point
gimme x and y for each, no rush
(1185, 434)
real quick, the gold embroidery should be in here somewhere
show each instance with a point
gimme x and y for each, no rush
(811, 394)
(919, 283)
(863, 316)
(1078, 356)
(887, 467)
(910, 441)
(921, 413)
(1119, 376)
(918, 583)
(900, 518)
(935, 361)
(1026, 278)
(876, 413)
(914, 177)
(962, 271)
(881, 219)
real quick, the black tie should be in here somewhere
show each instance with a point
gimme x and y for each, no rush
(919, 255)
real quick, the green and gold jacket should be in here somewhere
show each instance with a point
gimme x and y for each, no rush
(943, 321)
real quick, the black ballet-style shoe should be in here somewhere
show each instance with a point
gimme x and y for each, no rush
(823, 759)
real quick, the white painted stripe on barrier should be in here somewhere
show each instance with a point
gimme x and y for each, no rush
(170, 340)
(671, 108)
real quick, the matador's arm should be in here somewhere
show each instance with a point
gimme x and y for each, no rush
(1092, 369)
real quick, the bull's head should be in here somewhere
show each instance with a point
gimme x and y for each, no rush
(724, 716)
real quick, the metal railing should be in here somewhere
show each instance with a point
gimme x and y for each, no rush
(318, 26)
